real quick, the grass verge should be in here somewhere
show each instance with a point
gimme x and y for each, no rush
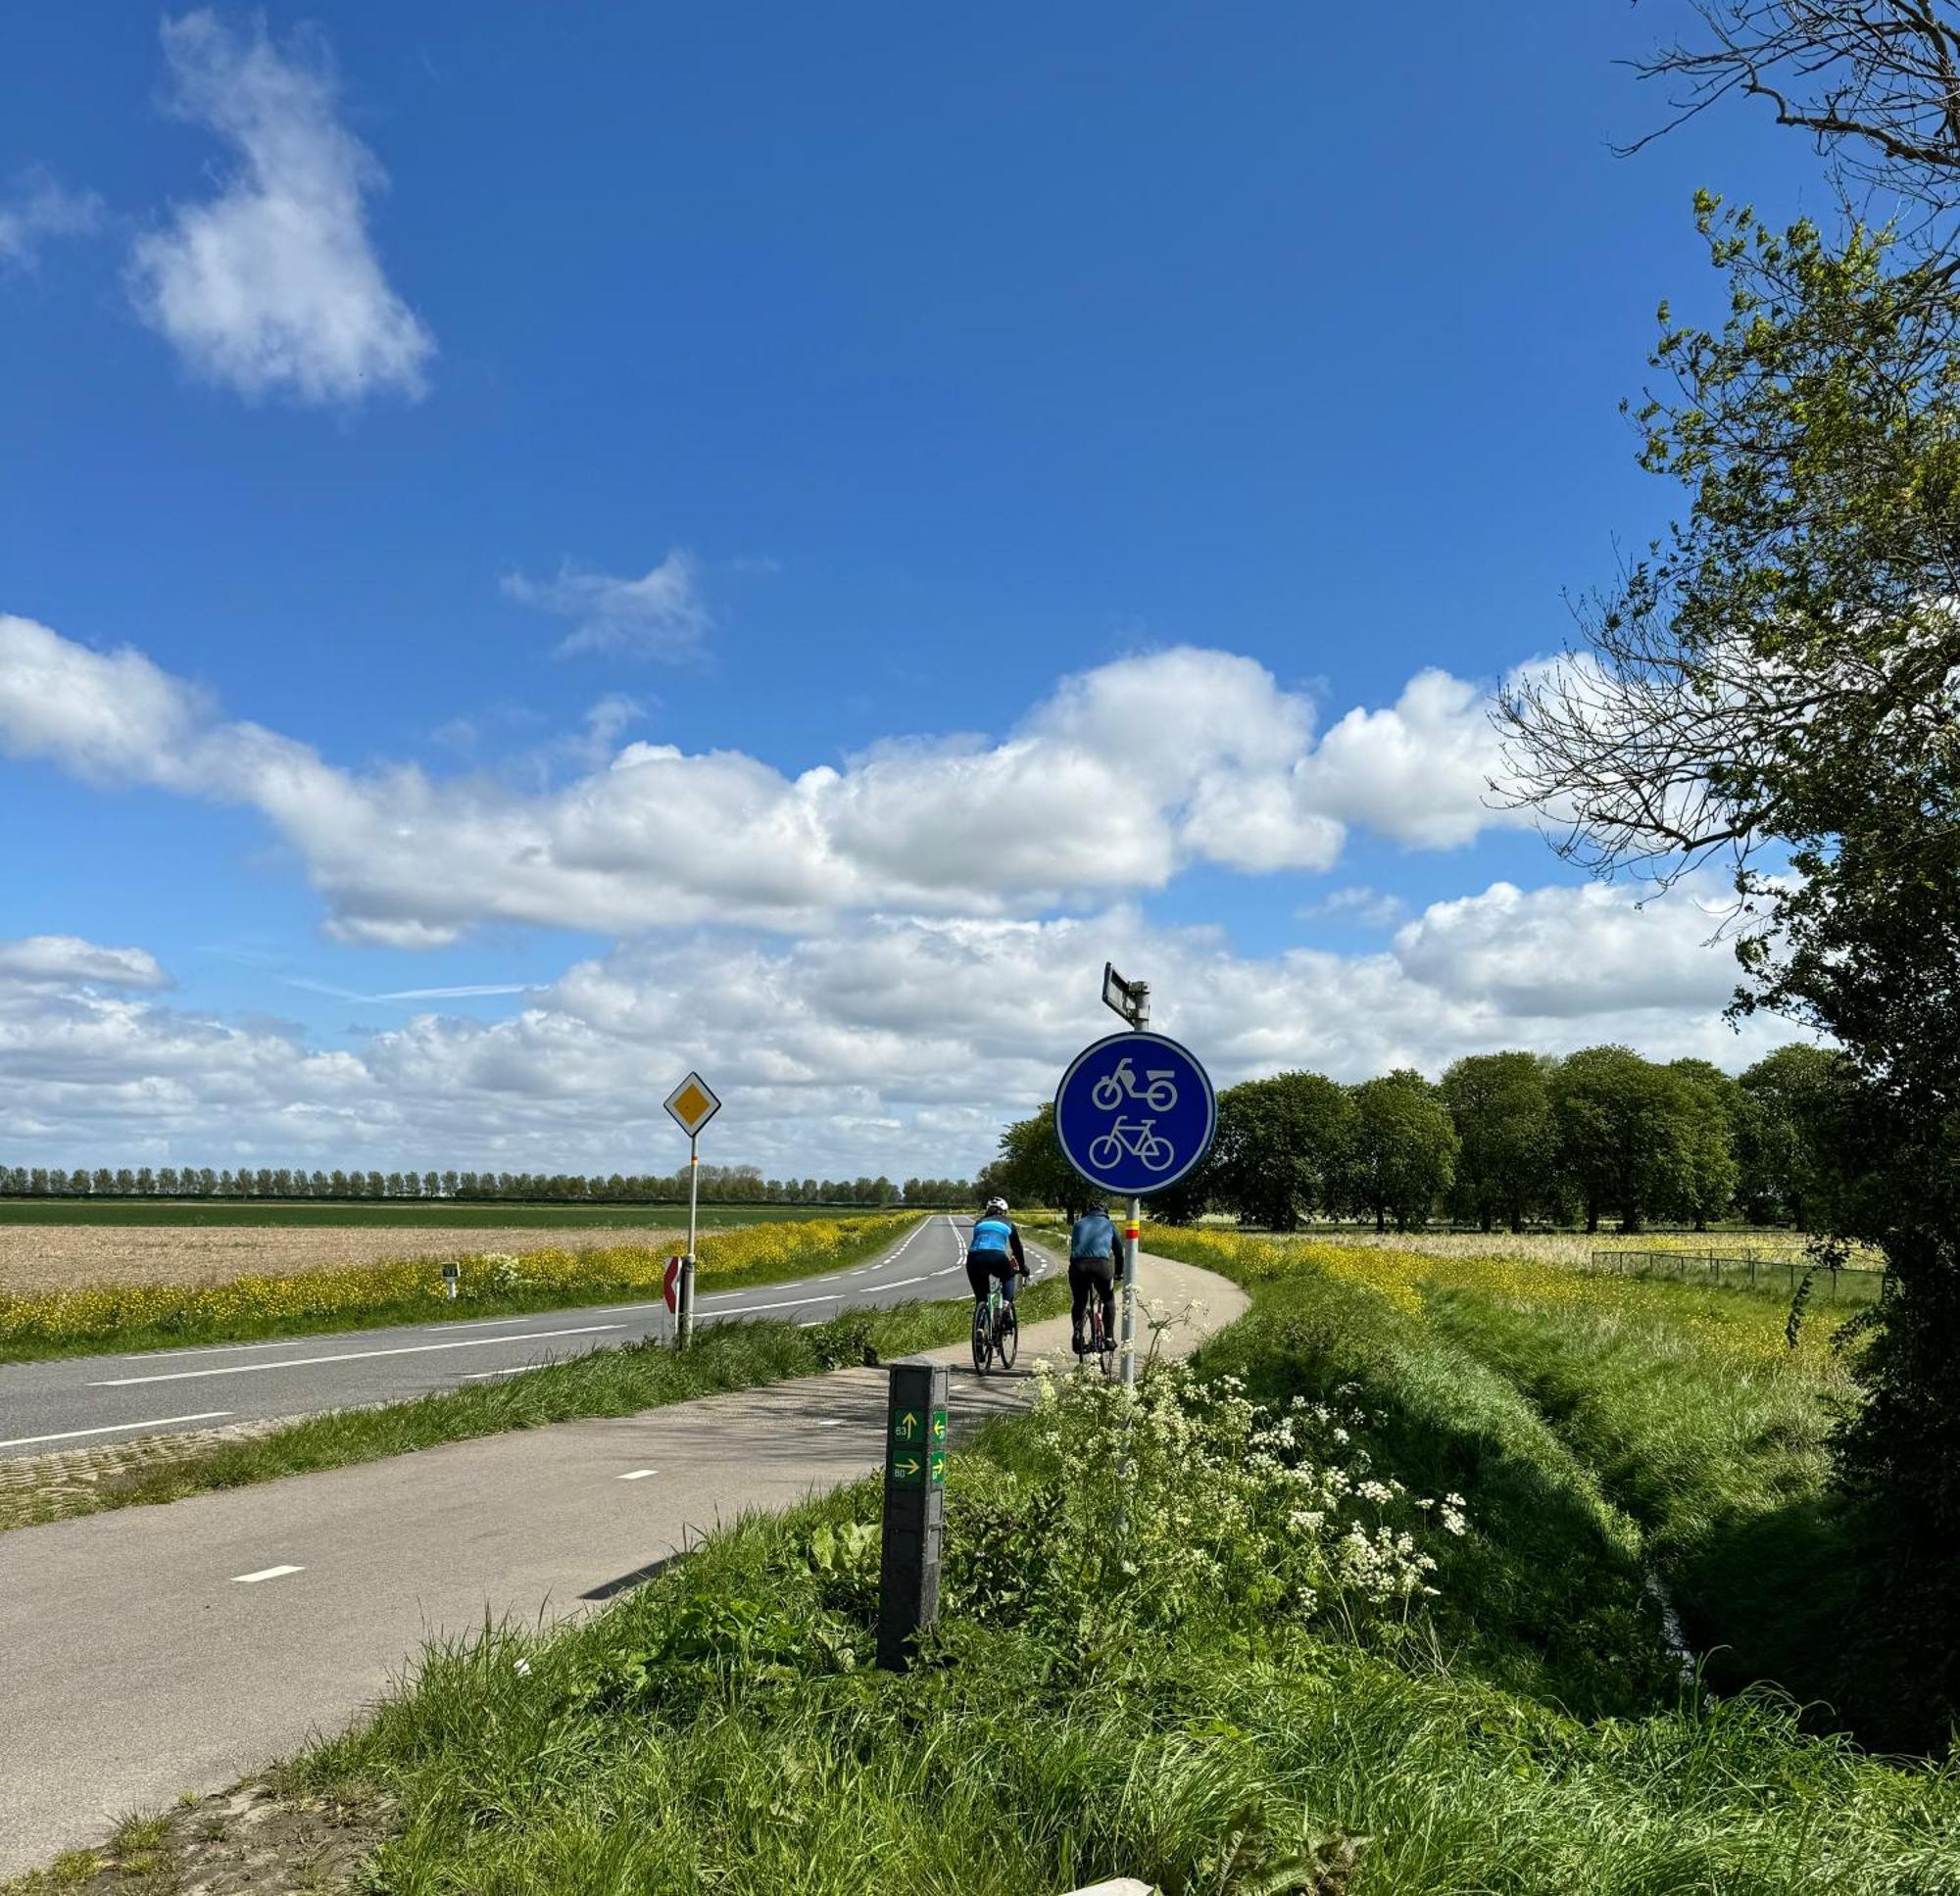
(1215, 1697)
(603, 1382)
(129, 1316)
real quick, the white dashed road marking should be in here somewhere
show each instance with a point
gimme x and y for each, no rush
(264, 1574)
(639, 1474)
(115, 1427)
(349, 1356)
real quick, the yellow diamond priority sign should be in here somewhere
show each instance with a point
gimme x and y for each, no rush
(692, 1104)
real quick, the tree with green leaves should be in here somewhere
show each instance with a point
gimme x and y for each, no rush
(1283, 1149)
(1782, 1136)
(1507, 1146)
(1778, 682)
(1402, 1152)
(1623, 1135)
(1715, 1103)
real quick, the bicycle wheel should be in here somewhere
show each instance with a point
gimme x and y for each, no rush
(1007, 1339)
(982, 1338)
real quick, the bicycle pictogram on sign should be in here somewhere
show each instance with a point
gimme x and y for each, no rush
(1134, 1113)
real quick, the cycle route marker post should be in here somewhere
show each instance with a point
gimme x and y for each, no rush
(690, 1106)
(914, 1510)
(1134, 1114)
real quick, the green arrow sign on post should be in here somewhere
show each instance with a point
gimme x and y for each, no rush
(914, 1510)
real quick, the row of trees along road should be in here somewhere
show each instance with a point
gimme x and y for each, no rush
(719, 1185)
(1504, 1138)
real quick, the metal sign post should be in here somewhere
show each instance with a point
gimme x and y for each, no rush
(691, 1105)
(1134, 1114)
(1131, 999)
(914, 1511)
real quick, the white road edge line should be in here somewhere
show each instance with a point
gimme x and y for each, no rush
(352, 1356)
(264, 1574)
(515, 1368)
(116, 1427)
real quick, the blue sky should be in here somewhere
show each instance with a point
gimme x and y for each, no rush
(475, 393)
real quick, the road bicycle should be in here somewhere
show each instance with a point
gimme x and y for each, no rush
(996, 1330)
(1138, 1137)
(1097, 1340)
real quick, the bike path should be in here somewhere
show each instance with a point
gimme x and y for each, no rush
(161, 1650)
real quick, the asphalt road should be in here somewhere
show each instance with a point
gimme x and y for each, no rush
(153, 1651)
(94, 1401)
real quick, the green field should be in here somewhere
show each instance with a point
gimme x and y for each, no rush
(406, 1213)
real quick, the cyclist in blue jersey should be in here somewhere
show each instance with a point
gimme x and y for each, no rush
(1095, 1262)
(995, 1252)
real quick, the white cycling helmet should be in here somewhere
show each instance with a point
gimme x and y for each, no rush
(996, 1204)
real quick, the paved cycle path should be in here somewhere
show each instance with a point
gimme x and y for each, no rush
(158, 1650)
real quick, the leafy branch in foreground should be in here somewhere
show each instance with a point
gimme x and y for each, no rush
(1778, 682)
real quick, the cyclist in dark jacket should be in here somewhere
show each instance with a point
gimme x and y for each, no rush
(994, 1250)
(1094, 1257)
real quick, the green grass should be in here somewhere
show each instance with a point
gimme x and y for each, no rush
(407, 1214)
(603, 1382)
(718, 1730)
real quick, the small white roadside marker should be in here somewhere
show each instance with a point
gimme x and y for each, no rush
(639, 1474)
(264, 1574)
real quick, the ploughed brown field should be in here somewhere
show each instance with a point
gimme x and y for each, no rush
(52, 1257)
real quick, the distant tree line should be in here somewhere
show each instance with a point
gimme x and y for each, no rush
(1506, 1140)
(719, 1185)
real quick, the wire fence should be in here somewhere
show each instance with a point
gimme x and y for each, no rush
(1852, 1284)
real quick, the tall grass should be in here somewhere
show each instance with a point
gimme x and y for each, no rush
(720, 1728)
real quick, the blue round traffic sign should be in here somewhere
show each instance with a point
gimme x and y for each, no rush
(1134, 1113)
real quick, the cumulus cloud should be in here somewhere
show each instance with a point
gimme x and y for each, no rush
(273, 287)
(38, 209)
(1553, 953)
(899, 1046)
(65, 960)
(1123, 776)
(659, 615)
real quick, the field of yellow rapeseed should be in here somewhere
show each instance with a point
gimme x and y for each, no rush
(1727, 1323)
(246, 1306)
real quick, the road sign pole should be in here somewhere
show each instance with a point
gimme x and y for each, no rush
(686, 1318)
(914, 1511)
(1132, 1230)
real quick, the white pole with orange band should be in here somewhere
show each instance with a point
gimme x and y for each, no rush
(1132, 1230)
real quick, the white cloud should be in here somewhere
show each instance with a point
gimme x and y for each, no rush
(1553, 953)
(274, 284)
(38, 209)
(1417, 770)
(899, 1045)
(1120, 779)
(63, 960)
(659, 615)
(1369, 907)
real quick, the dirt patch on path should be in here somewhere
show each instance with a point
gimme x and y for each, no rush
(57, 1258)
